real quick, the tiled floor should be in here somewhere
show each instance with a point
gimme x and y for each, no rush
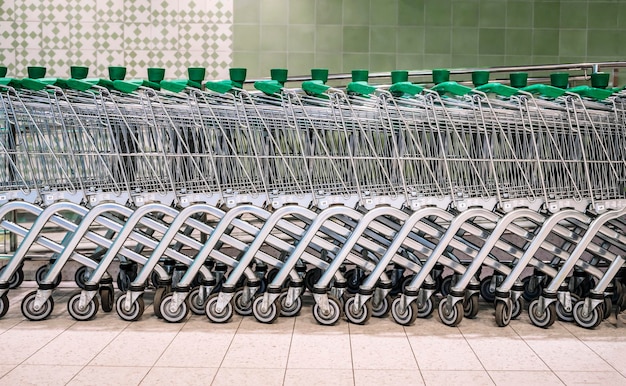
(297, 351)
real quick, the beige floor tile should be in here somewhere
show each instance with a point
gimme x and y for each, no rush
(524, 378)
(20, 343)
(105, 375)
(318, 377)
(376, 347)
(175, 376)
(5, 369)
(572, 378)
(505, 353)
(567, 354)
(453, 378)
(39, 375)
(196, 349)
(72, 347)
(613, 352)
(258, 345)
(144, 348)
(387, 378)
(315, 346)
(440, 347)
(201, 323)
(305, 323)
(251, 377)
(280, 326)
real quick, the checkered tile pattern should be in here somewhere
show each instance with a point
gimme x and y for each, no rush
(174, 34)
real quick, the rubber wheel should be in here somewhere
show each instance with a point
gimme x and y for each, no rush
(354, 280)
(608, 307)
(242, 307)
(293, 310)
(175, 316)
(407, 280)
(563, 315)
(4, 305)
(531, 294)
(196, 305)
(360, 316)
(470, 307)
(29, 311)
(542, 319)
(446, 284)
(485, 291)
(426, 309)
(503, 314)
(107, 298)
(265, 316)
(81, 276)
(17, 278)
(213, 315)
(517, 308)
(382, 308)
(136, 309)
(333, 315)
(451, 317)
(123, 281)
(311, 278)
(270, 277)
(591, 320)
(41, 274)
(403, 315)
(84, 314)
(159, 294)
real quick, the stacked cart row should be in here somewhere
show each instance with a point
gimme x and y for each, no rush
(376, 199)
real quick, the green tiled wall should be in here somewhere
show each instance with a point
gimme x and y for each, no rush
(420, 34)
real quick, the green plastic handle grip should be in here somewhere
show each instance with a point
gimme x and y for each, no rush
(129, 86)
(591, 92)
(79, 84)
(545, 90)
(178, 85)
(314, 87)
(220, 86)
(406, 88)
(497, 88)
(38, 84)
(360, 87)
(269, 87)
(452, 88)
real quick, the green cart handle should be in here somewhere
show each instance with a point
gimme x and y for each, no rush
(314, 87)
(178, 85)
(544, 90)
(498, 89)
(86, 84)
(406, 88)
(360, 87)
(129, 86)
(269, 87)
(220, 86)
(591, 92)
(38, 84)
(11, 82)
(453, 88)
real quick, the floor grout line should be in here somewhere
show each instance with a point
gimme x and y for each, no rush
(227, 350)
(594, 351)
(166, 347)
(293, 330)
(351, 354)
(475, 354)
(537, 354)
(414, 356)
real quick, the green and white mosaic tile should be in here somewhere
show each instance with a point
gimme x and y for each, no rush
(174, 34)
